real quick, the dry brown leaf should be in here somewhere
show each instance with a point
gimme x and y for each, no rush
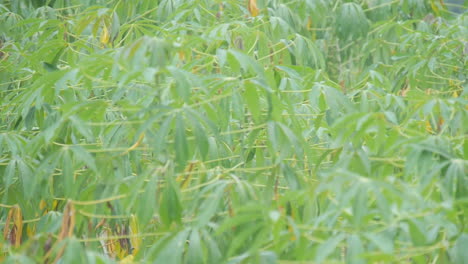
(13, 235)
(108, 244)
(68, 224)
(68, 221)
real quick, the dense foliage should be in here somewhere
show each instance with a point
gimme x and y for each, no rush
(183, 131)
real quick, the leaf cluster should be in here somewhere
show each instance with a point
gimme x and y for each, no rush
(233, 131)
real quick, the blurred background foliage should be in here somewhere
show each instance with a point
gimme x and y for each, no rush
(233, 131)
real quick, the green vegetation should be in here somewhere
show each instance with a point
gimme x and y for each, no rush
(183, 131)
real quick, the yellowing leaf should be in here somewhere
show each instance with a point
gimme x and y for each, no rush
(440, 123)
(253, 9)
(429, 127)
(104, 35)
(54, 205)
(134, 146)
(120, 251)
(435, 8)
(181, 55)
(42, 204)
(134, 230)
(309, 23)
(186, 176)
(31, 230)
(127, 260)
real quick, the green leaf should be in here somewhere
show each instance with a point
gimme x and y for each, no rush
(355, 250)
(160, 138)
(382, 240)
(74, 252)
(146, 203)
(459, 252)
(67, 171)
(328, 247)
(172, 251)
(50, 67)
(209, 207)
(247, 63)
(351, 21)
(181, 144)
(115, 28)
(291, 177)
(416, 232)
(170, 208)
(183, 83)
(252, 99)
(10, 172)
(360, 206)
(195, 250)
(50, 222)
(82, 155)
(200, 137)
